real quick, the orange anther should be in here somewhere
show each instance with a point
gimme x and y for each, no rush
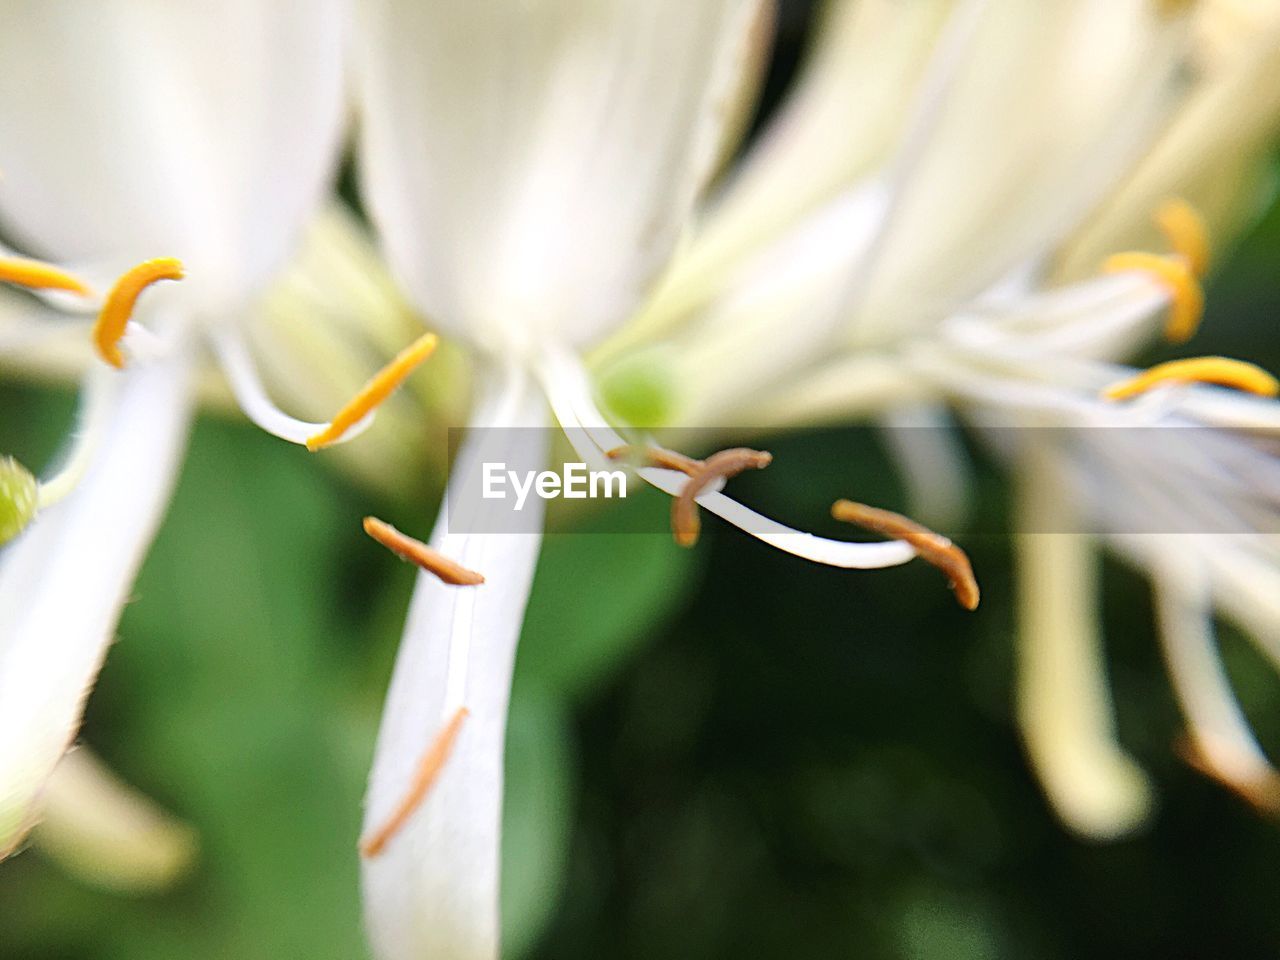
(428, 771)
(1175, 273)
(417, 552)
(35, 275)
(380, 386)
(118, 307)
(1218, 370)
(1186, 232)
(932, 547)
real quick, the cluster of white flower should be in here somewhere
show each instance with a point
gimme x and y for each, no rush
(932, 224)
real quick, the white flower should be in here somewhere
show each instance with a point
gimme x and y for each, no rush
(205, 131)
(530, 169)
(910, 274)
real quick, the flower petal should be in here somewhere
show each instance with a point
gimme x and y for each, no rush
(1052, 105)
(1219, 730)
(64, 582)
(531, 166)
(107, 834)
(201, 131)
(1064, 707)
(433, 890)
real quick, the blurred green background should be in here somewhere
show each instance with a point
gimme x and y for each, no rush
(723, 753)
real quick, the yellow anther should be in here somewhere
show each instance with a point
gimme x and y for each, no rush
(35, 275)
(1176, 275)
(1219, 370)
(1186, 232)
(380, 386)
(118, 307)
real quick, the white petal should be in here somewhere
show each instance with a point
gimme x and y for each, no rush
(107, 834)
(1053, 104)
(1064, 707)
(205, 131)
(1218, 726)
(531, 165)
(857, 83)
(433, 891)
(932, 462)
(251, 394)
(64, 582)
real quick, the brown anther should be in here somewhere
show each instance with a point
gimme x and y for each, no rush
(719, 466)
(657, 457)
(417, 552)
(1261, 793)
(932, 547)
(429, 767)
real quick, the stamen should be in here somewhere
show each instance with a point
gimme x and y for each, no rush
(429, 768)
(1218, 370)
(1262, 793)
(380, 386)
(417, 552)
(932, 547)
(719, 466)
(657, 457)
(35, 275)
(1186, 232)
(1176, 275)
(118, 307)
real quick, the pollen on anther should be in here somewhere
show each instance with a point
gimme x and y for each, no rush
(380, 386)
(429, 768)
(113, 319)
(36, 275)
(685, 523)
(1175, 274)
(657, 457)
(1222, 371)
(932, 547)
(417, 552)
(1186, 232)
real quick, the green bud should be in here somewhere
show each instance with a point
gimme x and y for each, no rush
(19, 496)
(640, 390)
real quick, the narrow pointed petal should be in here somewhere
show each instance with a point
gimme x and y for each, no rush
(1220, 733)
(933, 463)
(1020, 163)
(108, 834)
(65, 581)
(433, 890)
(858, 80)
(531, 166)
(1064, 707)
